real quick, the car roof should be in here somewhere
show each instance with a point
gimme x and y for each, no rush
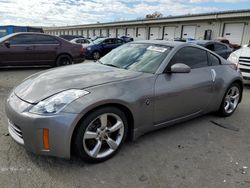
(161, 42)
(202, 42)
(32, 33)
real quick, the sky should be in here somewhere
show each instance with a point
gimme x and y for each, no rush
(76, 12)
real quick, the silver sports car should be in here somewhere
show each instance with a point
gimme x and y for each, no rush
(92, 108)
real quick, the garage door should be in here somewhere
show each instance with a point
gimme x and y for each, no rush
(97, 32)
(141, 33)
(104, 33)
(91, 33)
(189, 31)
(154, 33)
(130, 32)
(120, 32)
(112, 32)
(85, 33)
(169, 33)
(234, 32)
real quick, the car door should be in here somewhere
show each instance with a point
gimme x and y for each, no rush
(118, 42)
(20, 51)
(45, 49)
(108, 45)
(181, 95)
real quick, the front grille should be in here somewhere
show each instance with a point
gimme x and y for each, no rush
(246, 78)
(244, 61)
(15, 132)
(245, 70)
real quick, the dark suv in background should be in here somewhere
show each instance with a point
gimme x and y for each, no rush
(101, 47)
(28, 49)
(217, 47)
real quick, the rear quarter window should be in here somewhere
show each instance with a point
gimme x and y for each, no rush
(213, 60)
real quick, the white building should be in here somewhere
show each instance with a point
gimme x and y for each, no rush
(233, 25)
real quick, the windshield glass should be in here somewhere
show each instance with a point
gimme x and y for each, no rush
(98, 41)
(137, 57)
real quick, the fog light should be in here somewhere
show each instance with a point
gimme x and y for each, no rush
(46, 139)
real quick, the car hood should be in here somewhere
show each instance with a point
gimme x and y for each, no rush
(44, 84)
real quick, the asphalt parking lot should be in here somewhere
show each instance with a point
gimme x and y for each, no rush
(194, 154)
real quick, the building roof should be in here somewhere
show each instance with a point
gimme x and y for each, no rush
(187, 17)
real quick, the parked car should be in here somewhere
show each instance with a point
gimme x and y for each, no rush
(70, 37)
(226, 41)
(219, 48)
(81, 41)
(127, 39)
(26, 49)
(241, 58)
(102, 46)
(91, 108)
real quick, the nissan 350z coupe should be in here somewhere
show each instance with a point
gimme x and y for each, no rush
(141, 86)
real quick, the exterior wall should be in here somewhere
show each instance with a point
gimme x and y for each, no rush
(213, 22)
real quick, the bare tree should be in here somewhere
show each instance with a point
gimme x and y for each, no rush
(154, 15)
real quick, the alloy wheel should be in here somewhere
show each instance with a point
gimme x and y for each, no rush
(103, 135)
(231, 99)
(96, 55)
(65, 61)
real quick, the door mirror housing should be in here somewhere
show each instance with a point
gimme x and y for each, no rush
(180, 68)
(7, 44)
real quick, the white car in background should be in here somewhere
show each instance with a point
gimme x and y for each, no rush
(241, 58)
(85, 42)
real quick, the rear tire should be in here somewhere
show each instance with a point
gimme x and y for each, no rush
(101, 134)
(63, 60)
(230, 100)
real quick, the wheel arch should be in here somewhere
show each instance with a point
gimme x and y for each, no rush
(123, 108)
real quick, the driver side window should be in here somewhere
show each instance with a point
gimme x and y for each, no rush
(191, 56)
(108, 41)
(22, 40)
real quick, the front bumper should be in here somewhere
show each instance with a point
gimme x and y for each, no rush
(27, 128)
(246, 77)
(88, 54)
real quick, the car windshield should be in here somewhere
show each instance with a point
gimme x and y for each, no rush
(98, 41)
(137, 57)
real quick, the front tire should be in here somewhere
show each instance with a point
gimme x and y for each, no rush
(96, 55)
(101, 134)
(231, 100)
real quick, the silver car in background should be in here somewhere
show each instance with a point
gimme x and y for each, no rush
(92, 108)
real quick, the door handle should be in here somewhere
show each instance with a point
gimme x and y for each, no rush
(213, 73)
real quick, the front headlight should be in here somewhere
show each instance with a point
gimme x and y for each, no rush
(233, 59)
(89, 48)
(57, 102)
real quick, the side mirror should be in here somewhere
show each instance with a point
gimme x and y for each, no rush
(7, 44)
(180, 68)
